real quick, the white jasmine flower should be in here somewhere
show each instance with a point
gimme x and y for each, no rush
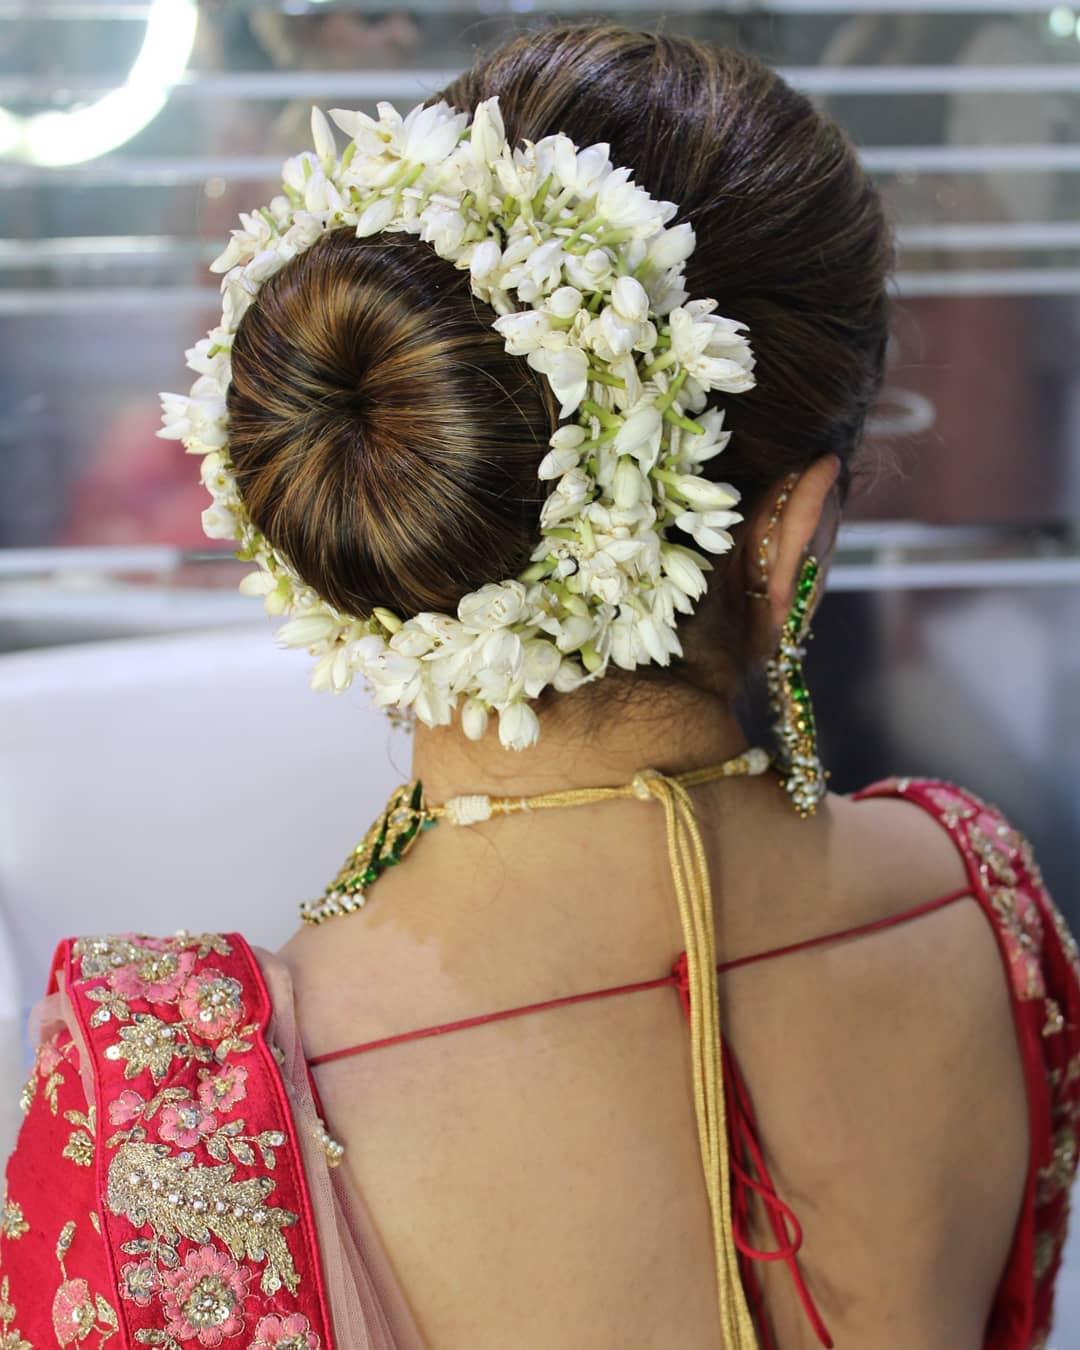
(567, 499)
(306, 227)
(589, 271)
(626, 206)
(523, 332)
(709, 528)
(564, 303)
(629, 485)
(486, 258)
(640, 435)
(323, 139)
(375, 217)
(701, 494)
(411, 640)
(670, 248)
(433, 704)
(541, 661)
(394, 678)
(711, 348)
(519, 727)
(443, 228)
(571, 632)
(219, 522)
(558, 461)
(567, 372)
(494, 605)
(685, 568)
(296, 171)
(488, 135)
(308, 631)
(428, 135)
(695, 450)
(244, 243)
(630, 300)
(658, 639)
(474, 719)
(568, 677)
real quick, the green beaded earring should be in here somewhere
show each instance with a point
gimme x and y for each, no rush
(804, 778)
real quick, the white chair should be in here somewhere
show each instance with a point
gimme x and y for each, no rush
(182, 781)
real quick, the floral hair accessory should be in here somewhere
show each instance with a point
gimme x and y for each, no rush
(587, 278)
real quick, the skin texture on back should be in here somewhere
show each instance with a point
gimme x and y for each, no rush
(537, 1181)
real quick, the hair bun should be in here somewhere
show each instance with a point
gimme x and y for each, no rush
(382, 438)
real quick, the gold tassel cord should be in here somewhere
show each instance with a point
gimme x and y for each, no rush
(689, 870)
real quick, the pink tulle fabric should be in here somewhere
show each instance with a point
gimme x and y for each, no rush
(368, 1308)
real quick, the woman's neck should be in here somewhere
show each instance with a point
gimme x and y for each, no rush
(679, 730)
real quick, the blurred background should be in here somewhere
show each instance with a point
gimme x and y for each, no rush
(161, 764)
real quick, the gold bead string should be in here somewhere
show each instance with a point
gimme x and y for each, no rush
(762, 593)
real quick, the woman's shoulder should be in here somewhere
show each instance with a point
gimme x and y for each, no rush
(159, 1153)
(996, 988)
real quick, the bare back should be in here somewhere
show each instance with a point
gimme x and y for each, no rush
(537, 1181)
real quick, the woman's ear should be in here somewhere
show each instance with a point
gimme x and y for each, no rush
(790, 537)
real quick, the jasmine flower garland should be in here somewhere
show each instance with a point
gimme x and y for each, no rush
(586, 277)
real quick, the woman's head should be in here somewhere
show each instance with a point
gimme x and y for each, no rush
(386, 443)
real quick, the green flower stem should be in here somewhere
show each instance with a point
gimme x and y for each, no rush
(541, 195)
(587, 536)
(662, 362)
(606, 419)
(602, 377)
(347, 157)
(586, 227)
(664, 403)
(552, 212)
(590, 657)
(560, 533)
(683, 423)
(595, 301)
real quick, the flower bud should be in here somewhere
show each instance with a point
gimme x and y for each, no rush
(474, 719)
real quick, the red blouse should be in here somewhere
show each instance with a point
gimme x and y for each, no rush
(160, 1192)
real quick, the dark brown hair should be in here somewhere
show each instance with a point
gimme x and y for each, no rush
(385, 442)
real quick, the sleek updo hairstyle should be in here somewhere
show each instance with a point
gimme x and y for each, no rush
(385, 442)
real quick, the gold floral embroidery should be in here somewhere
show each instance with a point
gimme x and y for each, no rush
(992, 859)
(1023, 932)
(1058, 1174)
(1065, 937)
(150, 1043)
(176, 1199)
(1045, 1251)
(47, 1061)
(80, 1145)
(76, 1313)
(12, 1223)
(202, 1233)
(104, 955)
(10, 1337)
(1055, 1022)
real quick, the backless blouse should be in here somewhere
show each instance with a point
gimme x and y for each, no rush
(174, 1185)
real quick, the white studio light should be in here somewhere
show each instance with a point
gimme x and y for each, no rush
(1062, 21)
(72, 137)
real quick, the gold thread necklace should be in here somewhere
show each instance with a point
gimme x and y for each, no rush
(407, 814)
